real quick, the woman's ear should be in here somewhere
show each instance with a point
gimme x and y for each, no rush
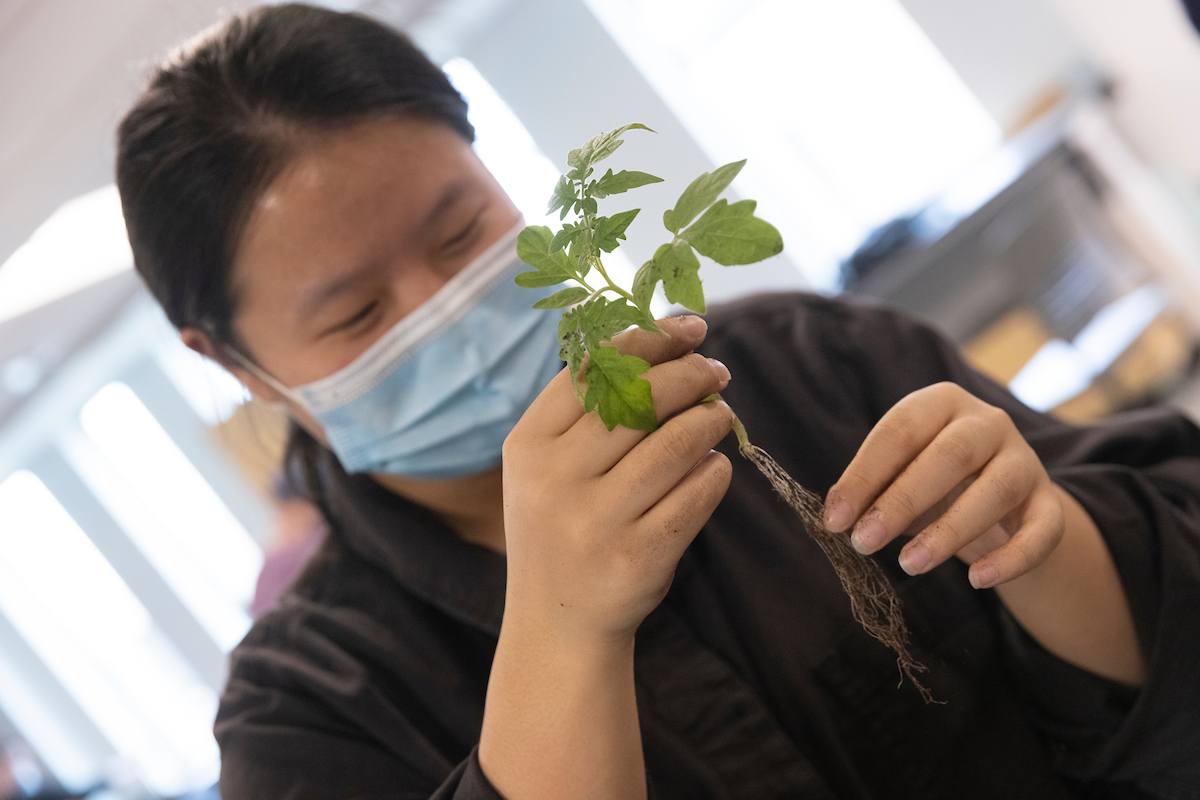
(198, 341)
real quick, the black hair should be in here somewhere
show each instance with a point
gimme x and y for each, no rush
(223, 117)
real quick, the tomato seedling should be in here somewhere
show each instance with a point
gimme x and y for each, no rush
(611, 383)
(606, 381)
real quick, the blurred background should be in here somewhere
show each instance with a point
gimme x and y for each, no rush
(1025, 174)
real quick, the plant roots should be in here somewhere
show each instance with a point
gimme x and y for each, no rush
(873, 601)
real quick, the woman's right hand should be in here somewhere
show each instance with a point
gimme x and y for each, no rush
(595, 520)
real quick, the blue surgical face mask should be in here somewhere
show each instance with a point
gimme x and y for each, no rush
(437, 394)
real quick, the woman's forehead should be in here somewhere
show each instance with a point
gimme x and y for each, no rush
(351, 191)
(382, 155)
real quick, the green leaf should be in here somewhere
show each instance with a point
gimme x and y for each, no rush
(587, 204)
(731, 234)
(564, 237)
(610, 229)
(533, 247)
(600, 147)
(538, 280)
(617, 391)
(701, 194)
(623, 181)
(582, 250)
(643, 283)
(570, 337)
(602, 319)
(563, 197)
(567, 297)
(679, 269)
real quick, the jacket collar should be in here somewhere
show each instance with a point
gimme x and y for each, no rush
(425, 556)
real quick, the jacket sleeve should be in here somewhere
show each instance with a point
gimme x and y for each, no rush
(1138, 476)
(273, 747)
(467, 782)
(304, 716)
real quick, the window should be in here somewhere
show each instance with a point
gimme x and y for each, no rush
(82, 242)
(171, 513)
(98, 639)
(112, 667)
(510, 154)
(847, 112)
(504, 145)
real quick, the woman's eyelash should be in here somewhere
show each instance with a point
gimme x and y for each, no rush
(463, 234)
(454, 241)
(357, 318)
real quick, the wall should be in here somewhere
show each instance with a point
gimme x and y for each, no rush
(70, 69)
(572, 82)
(1007, 51)
(1153, 52)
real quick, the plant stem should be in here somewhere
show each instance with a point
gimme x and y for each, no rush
(621, 292)
(585, 285)
(739, 430)
(611, 285)
(585, 220)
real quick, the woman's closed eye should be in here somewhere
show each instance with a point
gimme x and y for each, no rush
(355, 322)
(464, 237)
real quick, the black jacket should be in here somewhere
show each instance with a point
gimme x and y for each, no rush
(753, 680)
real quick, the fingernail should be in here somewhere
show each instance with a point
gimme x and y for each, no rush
(838, 516)
(983, 577)
(914, 559)
(720, 369)
(868, 536)
(693, 325)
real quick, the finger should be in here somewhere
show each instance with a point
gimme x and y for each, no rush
(557, 408)
(1004, 485)
(553, 411)
(672, 522)
(674, 385)
(903, 432)
(661, 461)
(960, 450)
(679, 335)
(1040, 532)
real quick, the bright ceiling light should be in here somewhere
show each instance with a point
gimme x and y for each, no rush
(81, 243)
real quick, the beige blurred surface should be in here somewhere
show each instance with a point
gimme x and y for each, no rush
(1153, 366)
(255, 436)
(1001, 350)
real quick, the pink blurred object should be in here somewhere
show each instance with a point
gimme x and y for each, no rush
(299, 531)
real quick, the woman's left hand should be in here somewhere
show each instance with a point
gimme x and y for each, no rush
(954, 472)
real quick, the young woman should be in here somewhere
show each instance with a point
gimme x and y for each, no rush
(516, 602)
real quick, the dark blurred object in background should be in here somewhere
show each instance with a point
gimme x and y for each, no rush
(1022, 262)
(1193, 10)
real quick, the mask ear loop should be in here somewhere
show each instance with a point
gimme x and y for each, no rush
(265, 376)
